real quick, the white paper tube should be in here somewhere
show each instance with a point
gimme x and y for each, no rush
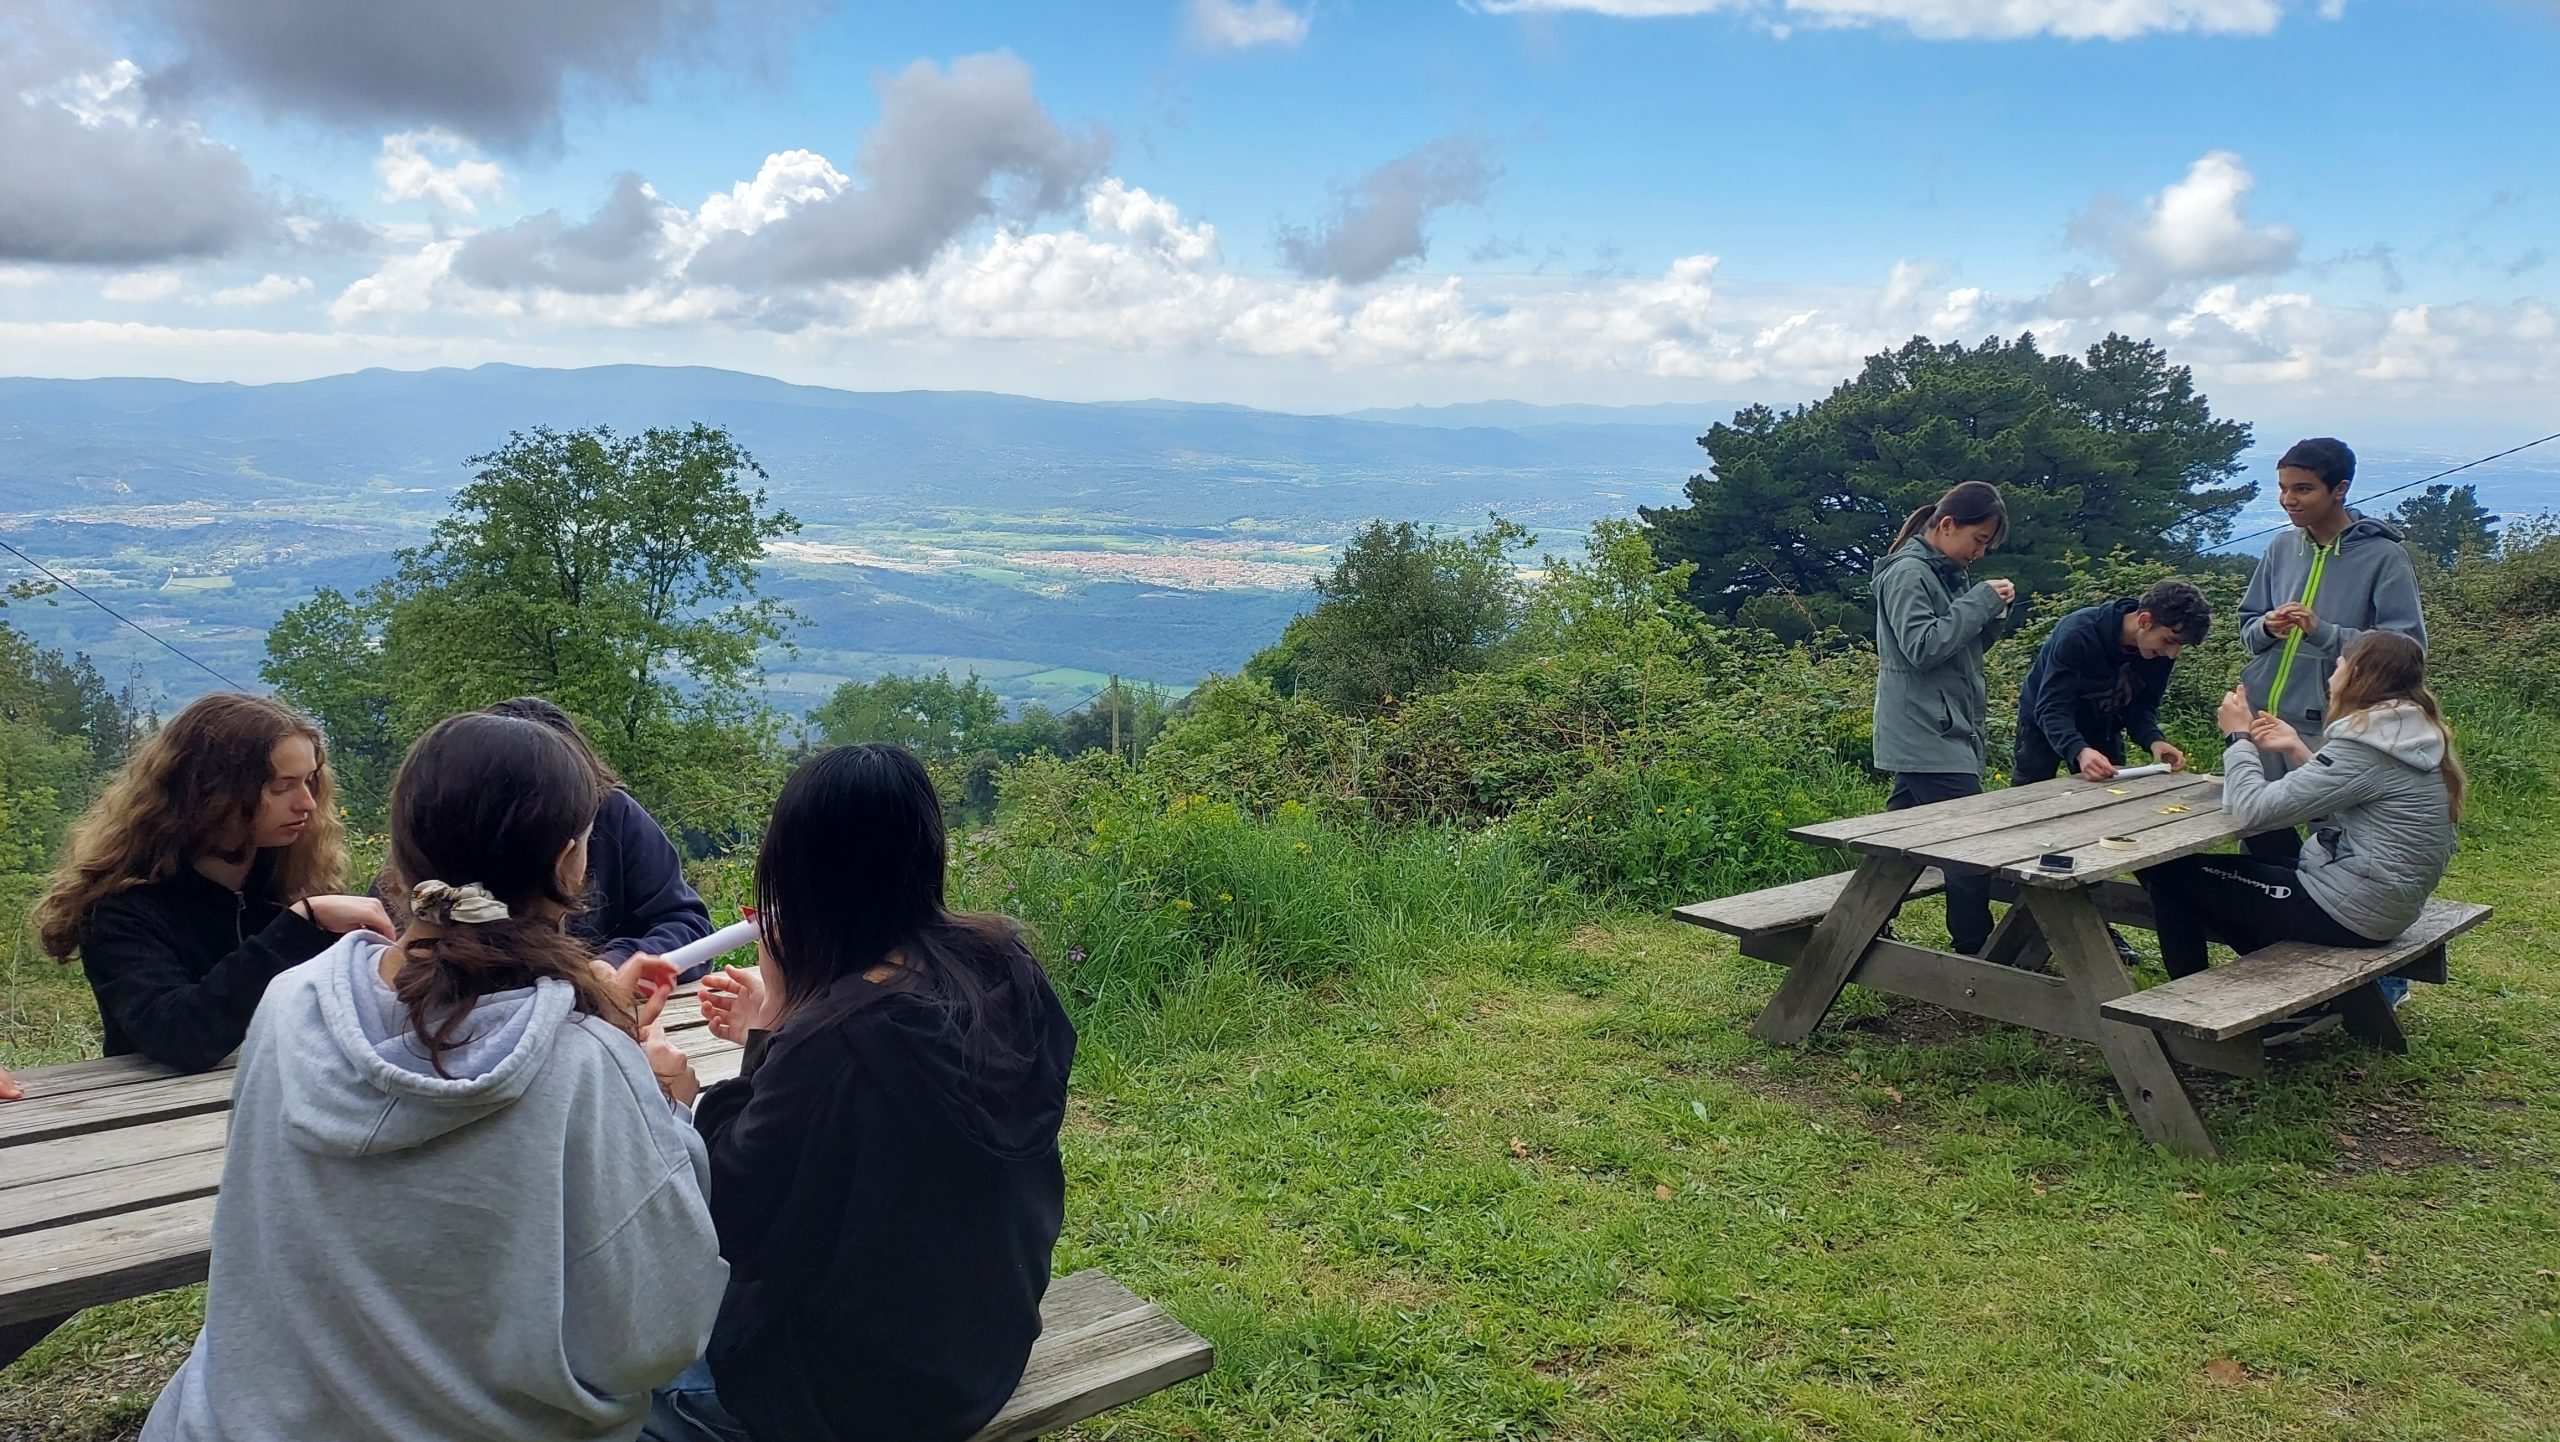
(713, 947)
(2156, 768)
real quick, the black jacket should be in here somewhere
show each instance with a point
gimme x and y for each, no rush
(2086, 688)
(179, 965)
(887, 1212)
(637, 897)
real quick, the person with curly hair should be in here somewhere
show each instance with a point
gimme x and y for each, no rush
(209, 865)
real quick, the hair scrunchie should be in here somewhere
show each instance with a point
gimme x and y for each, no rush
(445, 905)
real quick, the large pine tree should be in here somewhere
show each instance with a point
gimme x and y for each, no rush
(2111, 448)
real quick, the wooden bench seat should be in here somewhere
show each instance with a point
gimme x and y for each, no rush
(1100, 1345)
(2290, 977)
(1796, 905)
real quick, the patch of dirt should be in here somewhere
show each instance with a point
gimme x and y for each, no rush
(1920, 1024)
(85, 1401)
(2389, 1138)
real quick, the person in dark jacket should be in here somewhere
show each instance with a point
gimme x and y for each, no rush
(638, 902)
(885, 1173)
(207, 867)
(2100, 678)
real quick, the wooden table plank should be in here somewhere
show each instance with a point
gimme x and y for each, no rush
(2182, 836)
(2021, 845)
(106, 1259)
(1989, 810)
(75, 1156)
(1791, 907)
(40, 1209)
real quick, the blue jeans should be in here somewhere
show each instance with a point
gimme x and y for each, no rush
(688, 1410)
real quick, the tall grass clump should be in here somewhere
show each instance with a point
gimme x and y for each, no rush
(1143, 898)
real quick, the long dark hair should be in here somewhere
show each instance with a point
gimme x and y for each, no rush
(491, 800)
(169, 804)
(851, 877)
(2384, 667)
(1970, 503)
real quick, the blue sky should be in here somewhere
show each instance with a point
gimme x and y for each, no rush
(2327, 208)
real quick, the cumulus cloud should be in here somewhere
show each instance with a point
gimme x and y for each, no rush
(89, 177)
(141, 285)
(409, 169)
(952, 148)
(266, 290)
(1961, 19)
(1243, 24)
(614, 250)
(496, 71)
(1378, 223)
(2192, 230)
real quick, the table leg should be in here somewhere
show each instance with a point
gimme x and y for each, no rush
(2370, 1020)
(1832, 952)
(2017, 941)
(2088, 960)
(17, 1337)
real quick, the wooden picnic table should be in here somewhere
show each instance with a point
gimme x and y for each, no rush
(109, 1169)
(2057, 917)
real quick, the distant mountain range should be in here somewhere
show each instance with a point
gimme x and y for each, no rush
(1042, 543)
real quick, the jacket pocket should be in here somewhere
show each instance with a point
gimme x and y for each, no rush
(1952, 722)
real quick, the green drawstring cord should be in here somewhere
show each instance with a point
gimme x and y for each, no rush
(2293, 639)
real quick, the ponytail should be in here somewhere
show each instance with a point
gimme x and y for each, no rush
(441, 977)
(1969, 503)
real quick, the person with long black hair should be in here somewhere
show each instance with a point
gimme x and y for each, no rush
(1933, 624)
(884, 1169)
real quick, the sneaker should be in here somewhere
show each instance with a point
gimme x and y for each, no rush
(2395, 989)
(2124, 948)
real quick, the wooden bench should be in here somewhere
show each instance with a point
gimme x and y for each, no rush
(2238, 999)
(1796, 906)
(108, 1174)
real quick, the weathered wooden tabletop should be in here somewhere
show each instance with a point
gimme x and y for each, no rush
(2105, 829)
(108, 1171)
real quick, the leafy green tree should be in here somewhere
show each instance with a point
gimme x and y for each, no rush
(2443, 521)
(2113, 448)
(616, 575)
(62, 730)
(934, 716)
(1404, 609)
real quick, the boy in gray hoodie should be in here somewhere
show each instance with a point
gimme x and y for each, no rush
(2332, 575)
(489, 1227)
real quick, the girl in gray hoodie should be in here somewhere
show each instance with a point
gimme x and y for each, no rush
(456, 1204)
(2386, 788)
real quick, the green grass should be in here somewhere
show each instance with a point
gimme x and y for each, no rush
(1456, 1169)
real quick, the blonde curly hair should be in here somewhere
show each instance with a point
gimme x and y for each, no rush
(183, 787)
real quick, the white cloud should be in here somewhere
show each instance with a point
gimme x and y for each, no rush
(409, 170)
(264, 291)
(2191, 230)
(141, 285)
(1243, 24)
(1961, 19)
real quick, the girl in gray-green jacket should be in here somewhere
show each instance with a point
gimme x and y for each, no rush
(1933, 624)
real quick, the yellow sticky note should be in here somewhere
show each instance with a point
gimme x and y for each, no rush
(2115, 791)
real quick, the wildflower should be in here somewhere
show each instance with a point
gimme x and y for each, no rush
(1074, 955)
(1301, 848)
(1182, 903)
(1657, 811)
(1226, 898)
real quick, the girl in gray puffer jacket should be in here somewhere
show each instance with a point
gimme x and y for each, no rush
(2384, 792)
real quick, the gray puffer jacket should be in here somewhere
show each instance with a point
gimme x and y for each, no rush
(2386, 830)
(1932, 629)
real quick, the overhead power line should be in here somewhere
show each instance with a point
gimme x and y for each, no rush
(2411, 485)
(156, 638)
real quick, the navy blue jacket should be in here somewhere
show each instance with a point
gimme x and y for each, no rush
(2086, 687)
(637, 897)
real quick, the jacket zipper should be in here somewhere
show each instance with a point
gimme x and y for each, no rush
(240, 918)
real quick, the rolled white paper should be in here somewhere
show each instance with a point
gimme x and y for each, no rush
(2156, 768)
(715, 946)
